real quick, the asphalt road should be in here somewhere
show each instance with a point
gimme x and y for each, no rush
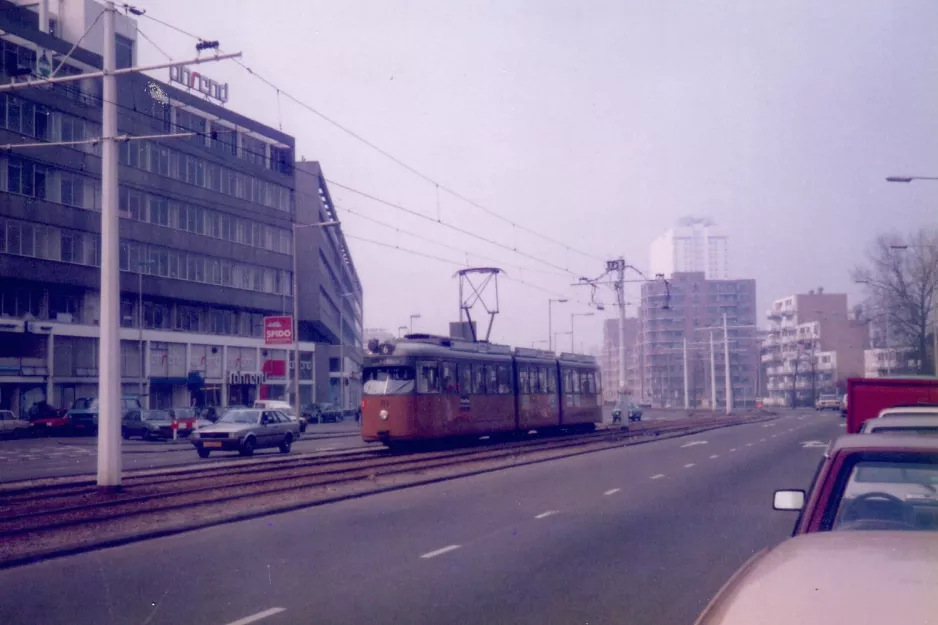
(644, 534)
(27, 459)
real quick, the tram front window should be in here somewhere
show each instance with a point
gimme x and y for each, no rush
(388, 380)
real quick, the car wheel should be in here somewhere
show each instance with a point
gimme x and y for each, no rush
(17, 433)
(285, 445)
(302, 427)
(204, 453)
(247, 447)
(125, 434)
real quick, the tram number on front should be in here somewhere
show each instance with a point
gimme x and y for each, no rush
(385, 404)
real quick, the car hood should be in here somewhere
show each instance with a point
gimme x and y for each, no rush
(229, 427)
(84, 411)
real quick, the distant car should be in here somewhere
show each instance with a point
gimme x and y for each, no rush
(827, 402)
(901, 425)
(835, 577)
(870, 482)
(147, 424)
(284, 407)
(245, 430)
(13, 426)
(83, 415)
(323, 413)
(635, 412)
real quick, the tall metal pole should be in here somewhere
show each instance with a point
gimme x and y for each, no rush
(888, 351)
(296, 331)
(342, 352)
(550, 325)
(143, 365)
(713, 375)
(726, 362)
(686, 396)
(620, 301)
(109, 379)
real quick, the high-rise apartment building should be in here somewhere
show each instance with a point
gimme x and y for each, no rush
(609, 355)
(812, 344)
(690, 308)
(694, 246)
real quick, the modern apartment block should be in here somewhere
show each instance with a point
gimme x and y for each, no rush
(206, 236)
(692, 308)
(694, 246)
(609, 355)
(812, 344)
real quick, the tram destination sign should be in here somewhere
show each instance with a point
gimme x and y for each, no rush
(278, 330)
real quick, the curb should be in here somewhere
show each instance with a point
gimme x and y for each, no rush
(280, 509)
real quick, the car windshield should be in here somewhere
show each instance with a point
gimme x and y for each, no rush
(889, 496)
(155, 415)
(388, 380)
(904, 429)
(241, 416)
(85, 403)
(183, 413)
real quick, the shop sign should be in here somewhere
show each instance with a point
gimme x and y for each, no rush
(278, 330)
(250, 379)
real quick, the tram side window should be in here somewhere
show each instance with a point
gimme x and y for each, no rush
(491, 379)
(478, 379)
(465, 378)
(504, 379)
(388, 380)
(552, 380)
(541, 380)
(599, 382)
(448, 375)
(567, 381)
(585, 382)
(428, 377)
(575, 375)
(524, 382)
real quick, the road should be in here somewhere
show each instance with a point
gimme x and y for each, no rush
(643, 534)
(27, 459)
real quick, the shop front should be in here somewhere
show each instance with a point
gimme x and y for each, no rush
(244, 388)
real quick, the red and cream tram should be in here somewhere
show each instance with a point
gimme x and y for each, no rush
(426, 387)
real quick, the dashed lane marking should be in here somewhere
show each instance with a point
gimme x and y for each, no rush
(761, 440)
(688, 465)
(544, 515)
(748, 444)
(256, 617)
(714, 456)
(439, 552)
(612, 491)
(733, 449)
(657, 476)
(692, 443)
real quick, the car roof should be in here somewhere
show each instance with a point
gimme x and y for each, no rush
(904, 421)
(834, 577)
(885, 441)
(908, 410)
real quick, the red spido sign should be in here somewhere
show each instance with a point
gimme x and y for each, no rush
(278, 330)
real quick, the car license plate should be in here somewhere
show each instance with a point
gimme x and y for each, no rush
(211, 444)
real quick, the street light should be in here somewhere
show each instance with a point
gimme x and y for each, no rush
(909, 178)
(412, 317)
(399, 329)
(550, 328)
(296, 313)
(534, 344)
(572, 317)
(143, 367)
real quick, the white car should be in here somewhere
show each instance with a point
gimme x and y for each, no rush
(11, 425)
(908, 411)
(284, 407)
(922, 424)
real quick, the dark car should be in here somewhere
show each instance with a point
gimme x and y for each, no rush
(147, 424)
(83, 416)
(635, 413)
(322, 413)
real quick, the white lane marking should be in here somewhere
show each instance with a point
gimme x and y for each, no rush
(545, 514)
(612, 491)
(688, 465)
(809, 444)
(733, 449)
(773, 436)
(714, 456)
(325, 449)
(446, 549)
(257, 617)
(761, 440)
(657, 476)
(769, 425)
(748, 444)
(843, 425)
(692, 443)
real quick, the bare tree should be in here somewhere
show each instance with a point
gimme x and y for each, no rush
(901, 278)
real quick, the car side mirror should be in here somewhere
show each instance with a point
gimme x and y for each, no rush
(788, 500)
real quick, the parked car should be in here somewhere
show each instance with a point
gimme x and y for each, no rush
(870, 482)
(51, 421)
(147, 424)
(83, 415)
(245, 430)
(827, 402)
(13, 426)
(285, 408)
(901, 425)
(834, 577)
(323, 412)
(635, 413)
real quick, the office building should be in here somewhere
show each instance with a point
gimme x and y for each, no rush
(206, 240)
(690, 307)
(812, 347)
(609, 355)
(693, 246)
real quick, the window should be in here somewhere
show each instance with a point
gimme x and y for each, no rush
(491, 379)
(524, 380)
(478, 379)
(567, 382)
(504, 379)
(428, 379)
(465, 378)
(14, 237)
(551, 380)
(67, 249)
(575, 379)
(124, 52)
(541, 380)
(448, 374)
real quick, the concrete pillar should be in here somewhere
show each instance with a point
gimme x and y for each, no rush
(50, 364)
(224, 376)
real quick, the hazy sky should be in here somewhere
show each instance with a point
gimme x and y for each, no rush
(598, 124)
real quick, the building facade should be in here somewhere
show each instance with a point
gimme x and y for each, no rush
(609, 356)
(694, 246)
(812, 346)
(691, 309)
(206, 239)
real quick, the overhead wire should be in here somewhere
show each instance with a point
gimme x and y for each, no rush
(383, 152)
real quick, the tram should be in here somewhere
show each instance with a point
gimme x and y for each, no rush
(425, 387)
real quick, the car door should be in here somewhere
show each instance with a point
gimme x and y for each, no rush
(270, 434)
(6, 422)
(287, 425)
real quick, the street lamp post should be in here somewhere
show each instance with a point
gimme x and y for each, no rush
(572, 317)
(143, 366)
(296, 313)
(412, 317)
(399, 331)
(550, 325)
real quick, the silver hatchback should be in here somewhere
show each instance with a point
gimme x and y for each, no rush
(246, 429)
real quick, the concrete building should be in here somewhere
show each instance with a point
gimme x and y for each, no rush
(691, 307)
(609, 355)
(812, 344)
(206, 248)
(694, 246)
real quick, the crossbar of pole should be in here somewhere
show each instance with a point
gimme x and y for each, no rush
(117, 72)
(120, 138)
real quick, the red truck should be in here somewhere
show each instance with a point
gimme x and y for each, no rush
(866, 397)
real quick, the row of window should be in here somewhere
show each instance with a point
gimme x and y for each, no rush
(159, 159)
(36, 120)
(495, 379)
(25, 177)
(25, 238)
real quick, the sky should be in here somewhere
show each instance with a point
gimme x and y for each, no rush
(596, 124)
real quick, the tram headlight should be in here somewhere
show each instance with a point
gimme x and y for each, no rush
(383, 415)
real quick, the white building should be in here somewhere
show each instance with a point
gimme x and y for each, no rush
(692, 246)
